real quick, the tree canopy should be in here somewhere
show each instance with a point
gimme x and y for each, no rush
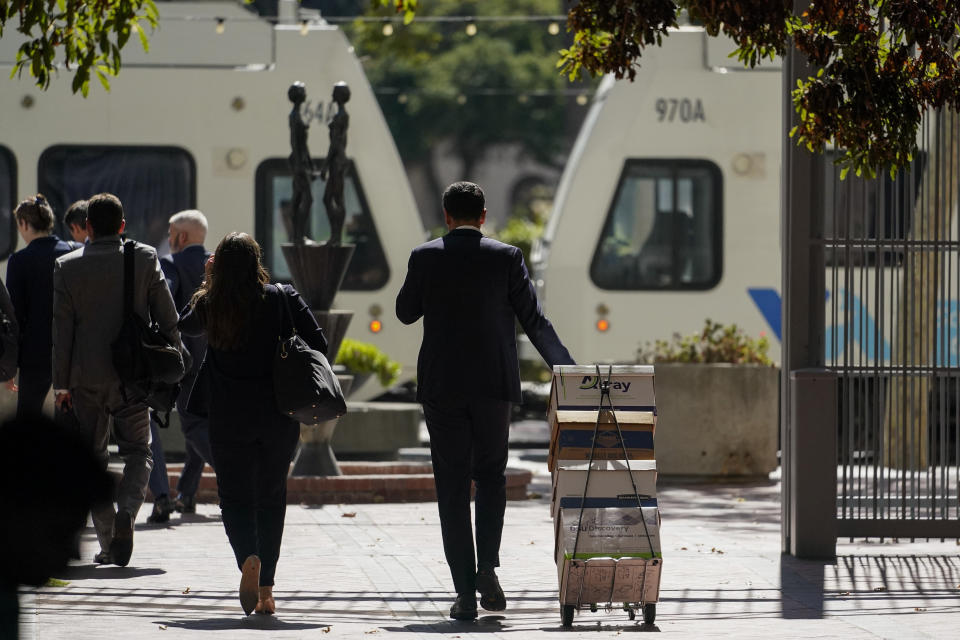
(84, 37)
(878, 65)
(439, 82)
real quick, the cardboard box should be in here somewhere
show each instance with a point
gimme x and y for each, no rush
(573, 435)
(608, 479)
(609, 531)
(634, 580)
(578, 387)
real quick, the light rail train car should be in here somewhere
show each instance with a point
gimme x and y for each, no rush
(201, 121)
(668, 210)
(668, 213)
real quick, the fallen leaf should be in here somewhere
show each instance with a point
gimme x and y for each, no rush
(186, 591)
(533, 542)
(163, 627)
(683, 548)
(372, 631)
(349, 514)
(741, 499)
(325, 629)
(919, 608)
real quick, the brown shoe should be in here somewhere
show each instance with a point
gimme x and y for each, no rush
(265, 605)
(249, 583)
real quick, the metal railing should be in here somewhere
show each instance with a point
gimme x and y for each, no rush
(891, 254)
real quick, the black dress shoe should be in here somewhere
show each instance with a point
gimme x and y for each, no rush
(186, 504)
(162, 508)
(491, 595)
(122, 546)
(103, 557)
(464, 608)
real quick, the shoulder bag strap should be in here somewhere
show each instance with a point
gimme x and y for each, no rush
(285, 313)
(128, 251)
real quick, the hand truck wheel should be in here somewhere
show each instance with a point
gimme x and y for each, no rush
(566, 614)
(649, 612)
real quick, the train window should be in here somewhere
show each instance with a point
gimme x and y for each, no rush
(8, 200)
(368, 268)
(153, 183)
(664, 230)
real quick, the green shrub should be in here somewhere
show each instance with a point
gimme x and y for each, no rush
(716, 343)
(520, 232)
(363, 357)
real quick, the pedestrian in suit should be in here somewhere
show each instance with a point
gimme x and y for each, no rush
(75, 222)
(470, 290)
(30, 283)
(251, 440)
(88, 314)
(184, 271)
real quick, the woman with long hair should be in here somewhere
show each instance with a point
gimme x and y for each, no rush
(252, 443)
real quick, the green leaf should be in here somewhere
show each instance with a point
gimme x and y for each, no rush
(103, 79)
(143, 38)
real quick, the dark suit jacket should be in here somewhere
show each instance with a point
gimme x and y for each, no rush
(240, 381)
(469, 289)
(30, 283)
(184, 272)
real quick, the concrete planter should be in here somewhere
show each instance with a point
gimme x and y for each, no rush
(716, 420)
(377, 430)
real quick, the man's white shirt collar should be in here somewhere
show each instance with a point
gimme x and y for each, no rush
(468, 226)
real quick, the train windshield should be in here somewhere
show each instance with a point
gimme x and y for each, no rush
(368, 268)
(664, 230)
(8, 200)
(153, 183)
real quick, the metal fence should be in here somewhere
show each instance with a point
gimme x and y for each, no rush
(891, 258)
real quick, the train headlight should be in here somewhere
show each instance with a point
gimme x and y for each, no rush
(602, 325)
(375, 326)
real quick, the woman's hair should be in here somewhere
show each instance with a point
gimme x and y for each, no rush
(37, 213)
(232, 291)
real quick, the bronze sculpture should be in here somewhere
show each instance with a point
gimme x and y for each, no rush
(301, 166)
(336, 165)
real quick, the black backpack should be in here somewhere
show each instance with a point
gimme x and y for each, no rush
(150, 366)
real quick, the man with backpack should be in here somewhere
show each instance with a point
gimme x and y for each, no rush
(88, 300)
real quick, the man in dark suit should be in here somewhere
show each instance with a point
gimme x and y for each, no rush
(184, 272)
(87, 316)
(470, 290)
(30, 283)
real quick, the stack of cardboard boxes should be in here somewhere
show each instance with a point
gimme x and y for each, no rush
(616, 556)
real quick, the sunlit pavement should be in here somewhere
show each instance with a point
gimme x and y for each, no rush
(377, 570)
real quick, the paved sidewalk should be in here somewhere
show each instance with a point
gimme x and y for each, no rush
(377, 570)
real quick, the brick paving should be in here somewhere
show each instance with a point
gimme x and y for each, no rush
(377, 570)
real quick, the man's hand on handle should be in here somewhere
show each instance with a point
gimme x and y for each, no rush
(64, 401)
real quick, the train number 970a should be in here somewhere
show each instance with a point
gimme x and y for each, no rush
(679, 110)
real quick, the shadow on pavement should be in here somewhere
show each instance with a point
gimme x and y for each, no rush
(266, 623)
(104, 572)
(881, 583)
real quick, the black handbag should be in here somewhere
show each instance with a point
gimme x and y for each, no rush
(305, 387)
(148, 364)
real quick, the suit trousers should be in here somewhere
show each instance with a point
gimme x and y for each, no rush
(252, 468)
(159, 482)
(468, 441)
(94, 406)
(196, 436)
(34, 384)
